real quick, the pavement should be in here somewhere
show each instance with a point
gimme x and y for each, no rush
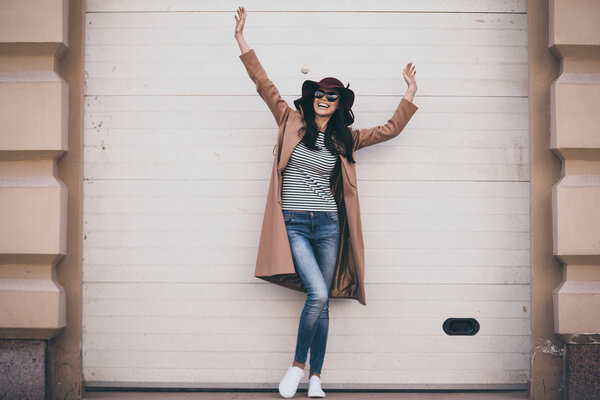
(335, 395)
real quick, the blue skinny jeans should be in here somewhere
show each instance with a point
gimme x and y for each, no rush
(314, 240)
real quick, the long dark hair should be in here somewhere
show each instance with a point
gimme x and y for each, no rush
(338, 136)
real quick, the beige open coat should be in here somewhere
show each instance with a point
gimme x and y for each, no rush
(274, 261)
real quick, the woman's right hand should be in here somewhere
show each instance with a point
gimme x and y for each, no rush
(240, 20)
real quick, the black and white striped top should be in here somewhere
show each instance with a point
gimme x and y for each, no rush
(306, 184)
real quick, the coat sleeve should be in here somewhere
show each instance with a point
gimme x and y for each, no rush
(395, 125)
(265, 88)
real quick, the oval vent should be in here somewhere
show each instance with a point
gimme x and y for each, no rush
(461, 326)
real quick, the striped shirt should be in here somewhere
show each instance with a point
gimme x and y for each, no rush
(306, 184)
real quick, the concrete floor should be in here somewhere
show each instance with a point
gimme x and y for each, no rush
(488, 395)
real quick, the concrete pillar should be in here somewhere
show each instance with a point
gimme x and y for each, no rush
(34, 110)
(545, 167)
(575, 138)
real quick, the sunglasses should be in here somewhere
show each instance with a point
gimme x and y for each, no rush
(330, 96)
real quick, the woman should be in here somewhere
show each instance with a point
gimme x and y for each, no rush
(311, 238)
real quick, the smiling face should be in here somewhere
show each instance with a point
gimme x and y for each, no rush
(324, 107)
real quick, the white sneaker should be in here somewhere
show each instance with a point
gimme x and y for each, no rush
(290, 381)
(314, 387)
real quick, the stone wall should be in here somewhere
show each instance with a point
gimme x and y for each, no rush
(40, 98)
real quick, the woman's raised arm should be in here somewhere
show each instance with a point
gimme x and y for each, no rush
(240, 21)
(404, 112)
(265, 88)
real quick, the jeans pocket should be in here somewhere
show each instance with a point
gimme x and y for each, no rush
(333, 217)
(287, 216)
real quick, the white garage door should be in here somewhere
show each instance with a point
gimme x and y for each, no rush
(178, 150)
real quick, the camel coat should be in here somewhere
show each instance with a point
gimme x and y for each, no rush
(274, 261)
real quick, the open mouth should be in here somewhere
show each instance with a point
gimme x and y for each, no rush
(323, 105)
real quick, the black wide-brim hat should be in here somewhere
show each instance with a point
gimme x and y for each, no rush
(347, 95)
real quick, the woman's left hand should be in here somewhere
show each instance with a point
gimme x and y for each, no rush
(409, 73)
